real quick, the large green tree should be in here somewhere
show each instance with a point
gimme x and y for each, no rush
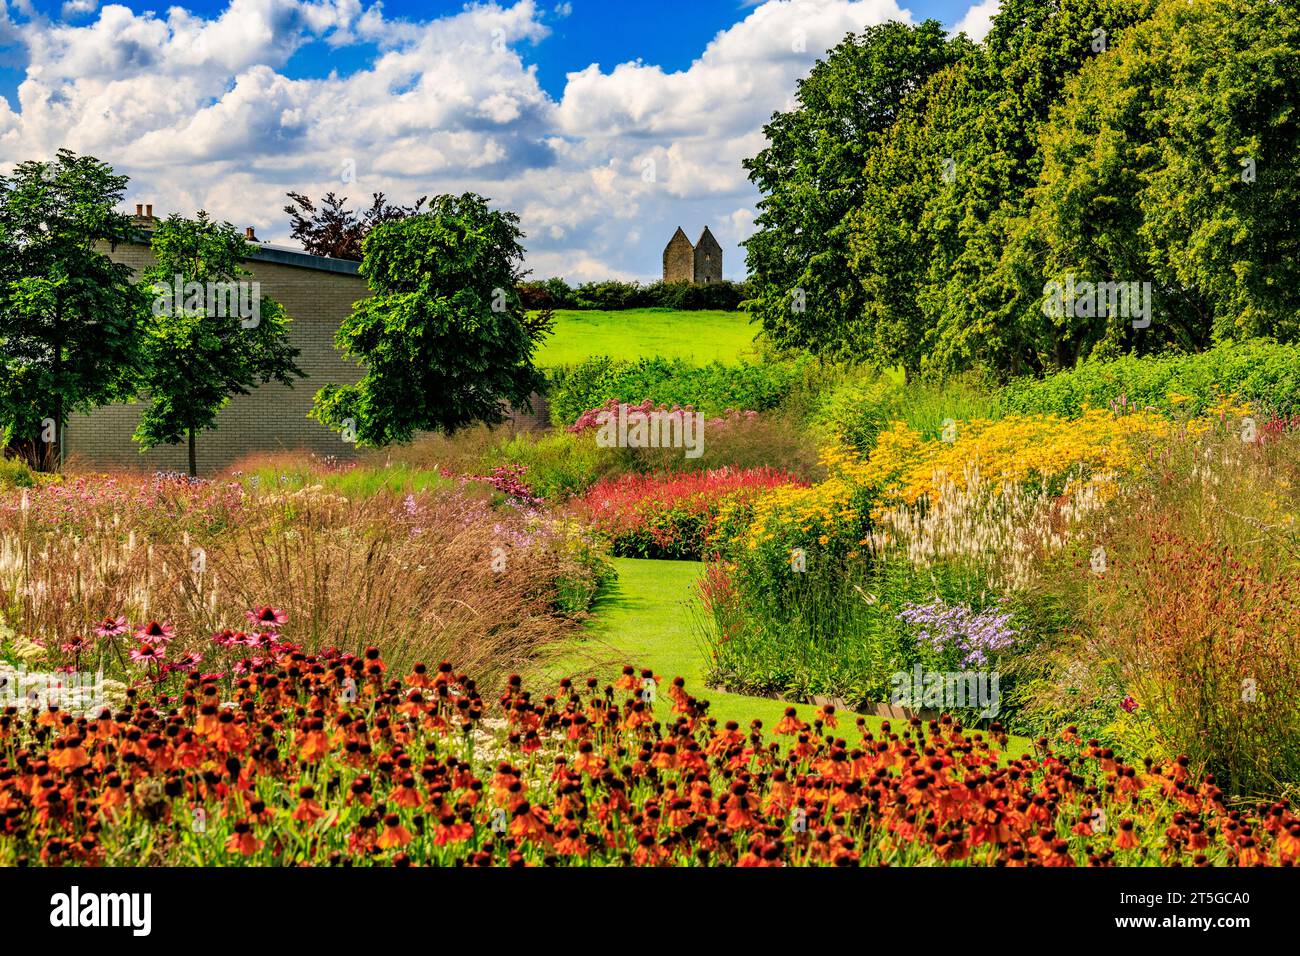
(1175, 160)
(947, 189)
(443, 339)
(211, 335)
(810, 175)
(69, 315)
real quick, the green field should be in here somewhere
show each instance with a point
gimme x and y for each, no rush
(702, 336)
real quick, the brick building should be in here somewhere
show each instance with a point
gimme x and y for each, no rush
(317, 293)
(698, 264)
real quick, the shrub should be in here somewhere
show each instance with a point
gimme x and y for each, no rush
(667, 516)
(1260, 372)
(857, 411)
(615, 295)
(712, 389)
(834, 629)
(14, 473)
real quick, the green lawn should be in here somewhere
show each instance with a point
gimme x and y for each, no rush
(644, 619)
(702, 336)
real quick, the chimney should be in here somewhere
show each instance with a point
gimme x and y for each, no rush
(248, 234)
(143, 218)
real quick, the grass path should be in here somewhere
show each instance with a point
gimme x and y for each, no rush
(644, 619)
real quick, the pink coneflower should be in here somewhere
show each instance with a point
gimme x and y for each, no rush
(267, 616)
(186, 663)
(228, 638)
(246, 666)
(74, 645)
(148, 653)
(1129, 705)
(111, 627)
(254, 639)
(155, 633)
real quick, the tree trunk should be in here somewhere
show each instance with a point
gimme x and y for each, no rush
(194, 471)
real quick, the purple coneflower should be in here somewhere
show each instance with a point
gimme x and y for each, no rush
(267, 616)
(111, 627)
(148, 653)
(155, 633)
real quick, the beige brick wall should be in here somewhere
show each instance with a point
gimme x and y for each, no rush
(273, 417)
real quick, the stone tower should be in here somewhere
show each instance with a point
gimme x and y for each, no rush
(679, 258)
(699, 264)
(708, 259)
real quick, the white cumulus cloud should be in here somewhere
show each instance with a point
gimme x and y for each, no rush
(202, 112)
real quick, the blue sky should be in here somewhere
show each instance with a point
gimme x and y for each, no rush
(604, 124)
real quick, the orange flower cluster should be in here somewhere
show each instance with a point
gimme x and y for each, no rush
(329, 759)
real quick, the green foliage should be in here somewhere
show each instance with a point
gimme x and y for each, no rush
(69, 315)
(1173, 159)
(616, 296)
(1094, 140)
(444, 340)
(198, 348)
(858, 410)
(948, 187)
(711, 389)
(558, 464)
(811, 179)
(832, 631)
(14, 473)
(1262, 372)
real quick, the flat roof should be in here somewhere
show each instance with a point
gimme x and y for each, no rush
(281, 255)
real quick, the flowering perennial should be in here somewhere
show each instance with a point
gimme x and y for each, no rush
(333, 759)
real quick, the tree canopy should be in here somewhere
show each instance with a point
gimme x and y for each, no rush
(330, 228)
(69, 315)
(211, 334)
(1103, 141)
(443, 339)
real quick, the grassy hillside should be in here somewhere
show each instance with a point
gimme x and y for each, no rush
(701, 336)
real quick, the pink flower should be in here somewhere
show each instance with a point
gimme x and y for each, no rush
(228, 638)
(187, 663)
(111, 627)
(1129, 705)
(155, 633)
(148, 653)
(74, 645)
(267, 616)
